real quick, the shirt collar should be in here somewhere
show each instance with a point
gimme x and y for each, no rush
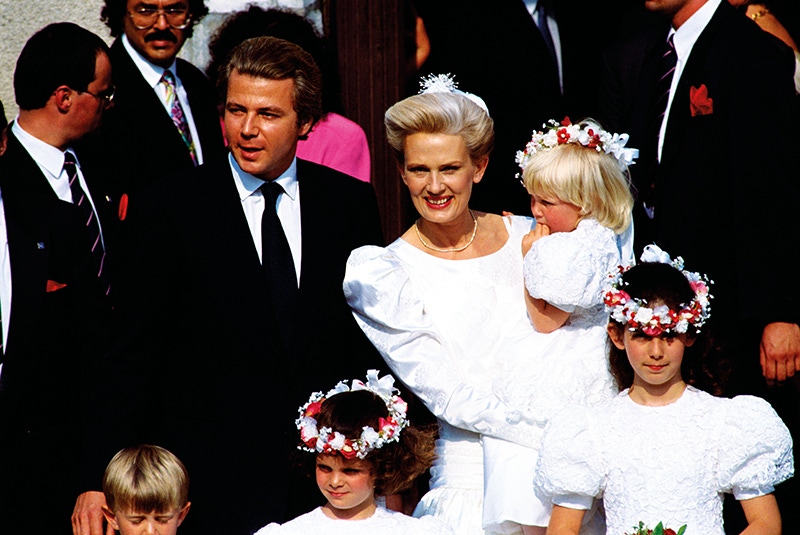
(247, 184)
(151, 73)
(687, 34)
(48, 157)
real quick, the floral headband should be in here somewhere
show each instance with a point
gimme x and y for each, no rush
(587, 133)
(326, 440)
(445, 83)
(661, 319)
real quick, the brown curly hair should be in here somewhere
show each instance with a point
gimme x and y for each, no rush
(703, 365)
(394, 466)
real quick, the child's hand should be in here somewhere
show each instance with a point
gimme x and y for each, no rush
(538, 231)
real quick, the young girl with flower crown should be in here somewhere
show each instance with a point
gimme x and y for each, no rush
(665, 449)
(362, 447)
(581, 200)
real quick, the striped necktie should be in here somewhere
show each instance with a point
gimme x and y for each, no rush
(80, 199)
(176, 113)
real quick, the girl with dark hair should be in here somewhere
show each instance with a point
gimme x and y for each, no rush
(664, 451)
(363, 447)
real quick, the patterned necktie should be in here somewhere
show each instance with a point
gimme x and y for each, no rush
(80, 199)
(176, 112)
(277, 260)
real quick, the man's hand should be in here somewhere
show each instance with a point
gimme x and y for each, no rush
(87, 517)
(780, 351)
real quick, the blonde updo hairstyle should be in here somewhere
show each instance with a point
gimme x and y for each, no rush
(591, 180)
(440, 113)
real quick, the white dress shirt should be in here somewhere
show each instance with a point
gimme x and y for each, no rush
(288, 207)
(684, 40)
(5, 277)
(152, 75)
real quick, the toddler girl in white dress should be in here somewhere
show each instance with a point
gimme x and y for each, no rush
(664, 450)
(580, 197)
(363, 446)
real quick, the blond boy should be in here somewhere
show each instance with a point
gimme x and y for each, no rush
(146, 490)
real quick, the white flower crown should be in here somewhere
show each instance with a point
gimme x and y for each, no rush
(446, 83)
(586, 133)
(326, 440)
(661, 319)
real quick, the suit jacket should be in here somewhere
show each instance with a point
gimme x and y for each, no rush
(58, 328)
(715, 165)
(202, 370)
(138, 139)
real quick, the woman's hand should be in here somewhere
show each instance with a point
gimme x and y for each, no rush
(538, 231)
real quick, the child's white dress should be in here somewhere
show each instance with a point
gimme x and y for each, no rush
(667, 464)
(382, 521)
(540, 374)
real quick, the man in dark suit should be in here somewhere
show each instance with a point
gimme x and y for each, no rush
(218, 358)
(155, 129)
(716, 179)
(54, 314)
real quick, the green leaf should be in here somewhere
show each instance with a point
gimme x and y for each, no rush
(681, 529)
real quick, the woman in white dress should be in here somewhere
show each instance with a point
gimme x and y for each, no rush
(440, 300)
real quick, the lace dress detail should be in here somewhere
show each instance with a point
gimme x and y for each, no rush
(670, 463)
(439, 325)
(540, 374)
(382, 521)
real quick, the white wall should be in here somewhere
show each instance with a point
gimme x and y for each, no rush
(19, 19)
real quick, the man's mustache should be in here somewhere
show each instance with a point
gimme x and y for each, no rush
(160, 35)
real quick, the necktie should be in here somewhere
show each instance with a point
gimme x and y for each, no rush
(277, 260)
(666, 69)
(176, 112)
(80, 199)
(542, 11)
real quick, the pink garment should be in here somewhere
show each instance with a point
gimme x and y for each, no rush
(338, 143)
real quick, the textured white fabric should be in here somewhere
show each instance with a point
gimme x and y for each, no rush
(666, 464)
(542, 373)
(439, 324)
(382, 521)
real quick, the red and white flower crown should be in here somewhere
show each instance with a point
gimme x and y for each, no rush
(326, 440)
(586, 133)
(660, 319)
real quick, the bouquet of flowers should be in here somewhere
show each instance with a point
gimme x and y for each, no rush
(658, 530)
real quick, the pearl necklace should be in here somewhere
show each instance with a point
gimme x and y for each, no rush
(454, 249)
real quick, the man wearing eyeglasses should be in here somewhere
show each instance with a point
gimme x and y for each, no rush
(53, 312)
(165, 117)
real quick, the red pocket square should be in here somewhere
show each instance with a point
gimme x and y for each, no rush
(53, 286)
(700, 102)
(123, 207)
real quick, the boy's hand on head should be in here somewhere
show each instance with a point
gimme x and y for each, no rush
(87, 517)
(780, 351)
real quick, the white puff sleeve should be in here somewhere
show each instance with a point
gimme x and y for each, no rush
(569, 470)
(391, 311)
(755, 449)
(569, 269)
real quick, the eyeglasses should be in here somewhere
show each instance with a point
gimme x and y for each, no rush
(145, 17)
(107, 96)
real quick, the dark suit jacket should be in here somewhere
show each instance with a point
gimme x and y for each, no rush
(203, 371)
(138, 139)
(55, 338)
(726, 190)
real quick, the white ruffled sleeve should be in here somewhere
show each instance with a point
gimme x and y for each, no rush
(569, 269)
(391, 312)
(569, 471)
(755, 449)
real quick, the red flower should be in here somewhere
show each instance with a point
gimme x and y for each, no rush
(669, 531)
(347, 451)
(565, 121)
(563, 136)
(313, 409)
(699, 101)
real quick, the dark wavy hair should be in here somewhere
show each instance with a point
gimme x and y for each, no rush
(654, 283)
(59, 54)
(114, 12)
(396, 465)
